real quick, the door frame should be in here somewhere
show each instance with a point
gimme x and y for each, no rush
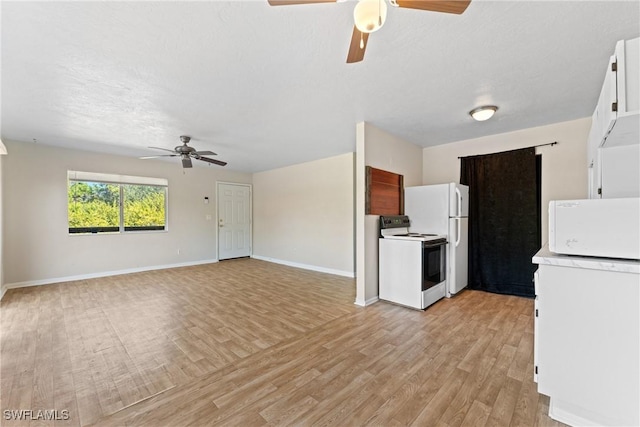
(250, 187)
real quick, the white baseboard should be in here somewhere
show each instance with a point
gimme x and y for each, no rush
(101, 274)
(360, 302)
(343, 273)
(574, 415)
(371, 300)
(7, 286)
(364, 303)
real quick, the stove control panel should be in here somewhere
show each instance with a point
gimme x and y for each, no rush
(394, 221)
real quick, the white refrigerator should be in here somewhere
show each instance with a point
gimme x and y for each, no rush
(443, 209)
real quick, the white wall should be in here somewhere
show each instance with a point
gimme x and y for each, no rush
(381, 150)
(564, 166)
(303, 215)
(2, 288)
(38, 247)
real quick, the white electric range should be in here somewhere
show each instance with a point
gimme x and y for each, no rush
(412, 264)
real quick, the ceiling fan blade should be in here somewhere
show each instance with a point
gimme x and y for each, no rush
(451, 6)
(292, 2)
(155, 157)
(214, 161)
(163, 149)
(356, 53)
(205, 153)
(186, 162)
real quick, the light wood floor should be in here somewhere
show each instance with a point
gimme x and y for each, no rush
(246, 342)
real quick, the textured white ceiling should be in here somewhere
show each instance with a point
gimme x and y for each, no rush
(266, 87)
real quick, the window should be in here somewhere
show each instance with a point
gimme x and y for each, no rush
(104, 203)
(93, 207)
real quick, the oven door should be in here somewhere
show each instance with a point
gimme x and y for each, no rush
(433, 264)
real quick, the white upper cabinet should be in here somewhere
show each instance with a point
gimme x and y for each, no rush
(607, 108)
(628, 54)
(616, 122)
(619, 103)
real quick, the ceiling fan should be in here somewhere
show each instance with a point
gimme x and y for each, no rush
(370, 15)
(187, 153)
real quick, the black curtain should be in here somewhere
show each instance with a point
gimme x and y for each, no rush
(504, 220)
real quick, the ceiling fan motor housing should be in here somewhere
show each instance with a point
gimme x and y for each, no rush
(184, 149)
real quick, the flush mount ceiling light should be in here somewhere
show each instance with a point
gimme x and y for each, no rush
(483, 113)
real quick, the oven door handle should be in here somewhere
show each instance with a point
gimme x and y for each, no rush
(433, 245)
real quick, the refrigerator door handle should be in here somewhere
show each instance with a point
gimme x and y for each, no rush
(459, 203)
(458, 232)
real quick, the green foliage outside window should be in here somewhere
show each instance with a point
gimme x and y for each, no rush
(93, 204)
(143, 206)
(95, 207)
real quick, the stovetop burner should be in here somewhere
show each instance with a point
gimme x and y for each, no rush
(397, 227)
(415, 234)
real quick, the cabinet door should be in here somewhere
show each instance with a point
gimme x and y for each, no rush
(607, 103)
(620, 171)
(627, 85)
(400, 272)
(628, 56)
(588, 343)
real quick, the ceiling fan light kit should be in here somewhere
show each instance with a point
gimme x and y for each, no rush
(483, 113)
(370, 15)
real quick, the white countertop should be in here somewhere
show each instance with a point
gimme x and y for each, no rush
(546, 257)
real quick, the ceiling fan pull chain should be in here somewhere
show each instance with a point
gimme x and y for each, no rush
(380, 13)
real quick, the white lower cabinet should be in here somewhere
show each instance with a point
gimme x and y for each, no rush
(587, 344)
(400, 272)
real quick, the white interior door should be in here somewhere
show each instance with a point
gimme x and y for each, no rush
(234, 221)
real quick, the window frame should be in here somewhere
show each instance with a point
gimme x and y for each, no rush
(120, 181)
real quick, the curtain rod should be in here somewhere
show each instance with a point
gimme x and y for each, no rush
(515, 149)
